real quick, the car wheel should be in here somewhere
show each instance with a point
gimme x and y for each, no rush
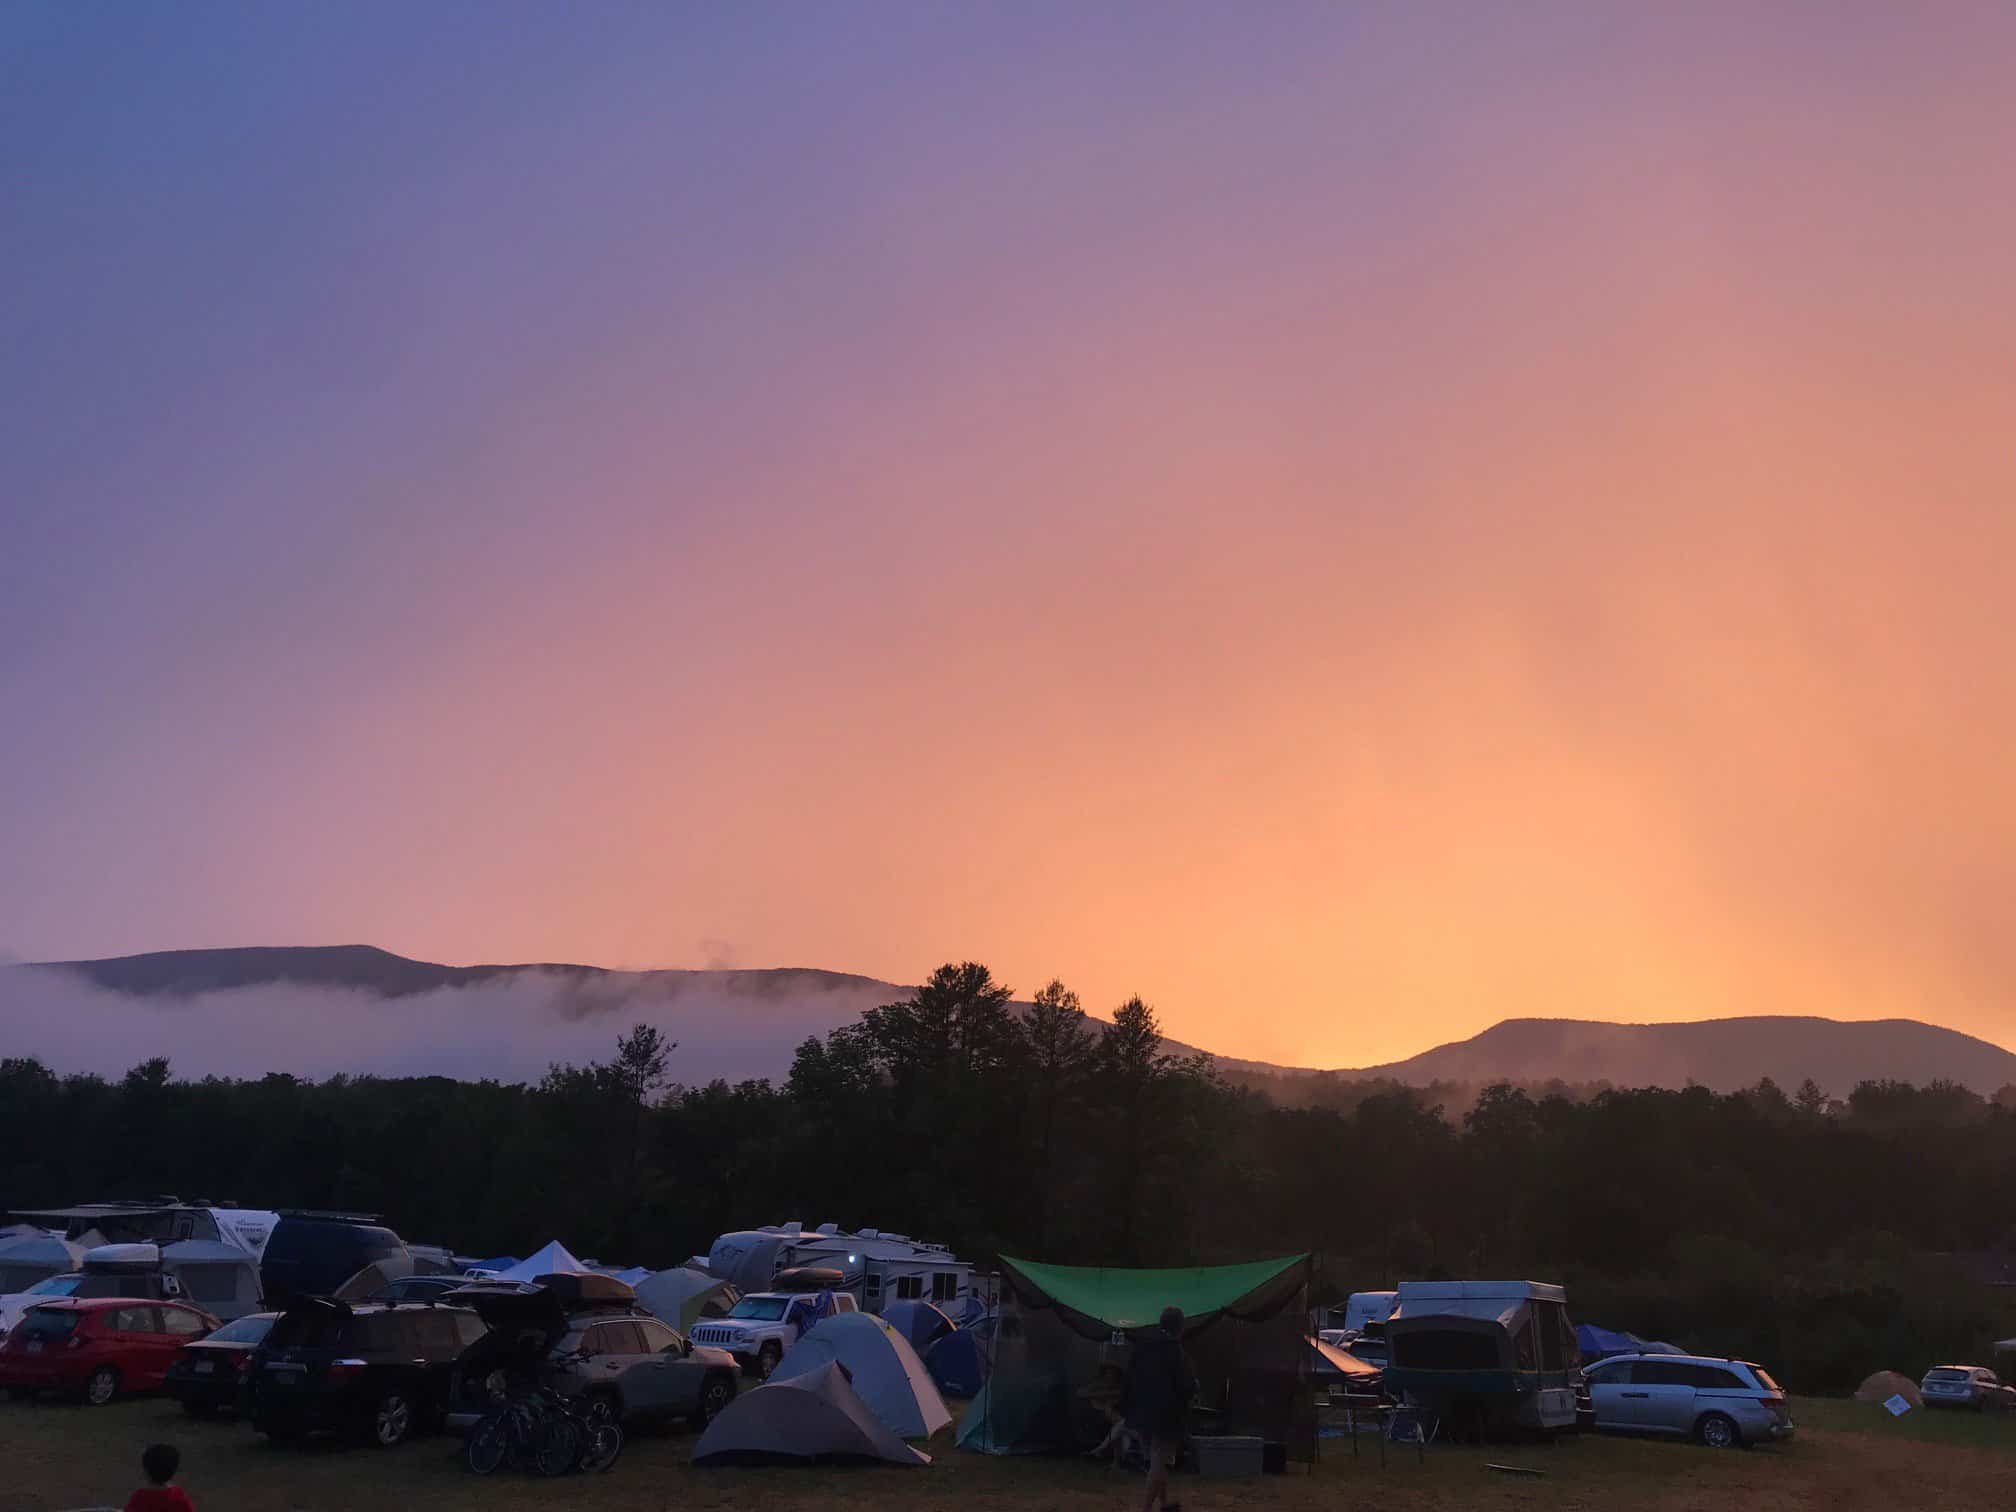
(1718, 1432)
(391, 1420)
(767, 1358)
(715, 1393)
(101, 1386)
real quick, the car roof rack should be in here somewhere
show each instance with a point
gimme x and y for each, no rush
(329, 1215)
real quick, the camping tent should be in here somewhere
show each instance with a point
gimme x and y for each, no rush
(1885, 1384)
(683, 1296)
(1601, 1343)
(1243, 1329)
(918, 1321)
(375, 1277)
(222, 1279)
(883, 1368)
(967, 1310)
(36, 1257)
(958, 1360)
(814, 1416)
(550, 1261)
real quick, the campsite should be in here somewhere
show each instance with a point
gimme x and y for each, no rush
(1845, 1460)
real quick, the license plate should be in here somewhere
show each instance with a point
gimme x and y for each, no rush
(34, 1346)
(206, 1367)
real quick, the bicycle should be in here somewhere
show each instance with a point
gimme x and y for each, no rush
(543, 1432)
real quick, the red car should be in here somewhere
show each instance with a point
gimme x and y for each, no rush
(97, 1347)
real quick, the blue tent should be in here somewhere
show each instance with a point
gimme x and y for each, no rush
(1601, 1343)
(958, 1360)
(966, 1311)
(918, 1321)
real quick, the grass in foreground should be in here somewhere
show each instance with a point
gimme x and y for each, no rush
(56, 1456)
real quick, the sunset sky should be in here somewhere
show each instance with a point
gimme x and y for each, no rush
(1353, 522)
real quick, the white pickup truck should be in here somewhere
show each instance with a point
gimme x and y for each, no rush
(760, 1327)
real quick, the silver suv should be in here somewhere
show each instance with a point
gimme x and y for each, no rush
(619, 1359)
(1973, 1386)
(636, 1368)
(1723, 1403)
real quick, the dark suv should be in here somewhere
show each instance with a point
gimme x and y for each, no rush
(379, 1371)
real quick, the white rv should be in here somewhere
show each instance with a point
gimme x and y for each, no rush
(877, 1267)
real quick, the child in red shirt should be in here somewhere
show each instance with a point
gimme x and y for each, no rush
(161, 1461)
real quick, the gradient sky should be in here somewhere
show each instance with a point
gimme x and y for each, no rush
(1351, 521)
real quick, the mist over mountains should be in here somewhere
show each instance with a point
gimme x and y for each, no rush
(317, 1011)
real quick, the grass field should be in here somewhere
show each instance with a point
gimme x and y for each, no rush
(55, 1457)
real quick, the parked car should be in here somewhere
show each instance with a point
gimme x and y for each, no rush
(14, 1305)
(762, 1325)
(1973, 1386)
(618, 1359)
(418, 1289)
(311, 1253)
(98, 1348)
(208, 1374)
(1722, 1403)
(378, 1370)
(151, 1285)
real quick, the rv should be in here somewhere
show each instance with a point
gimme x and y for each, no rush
(875, 1266)
(1482, 1355)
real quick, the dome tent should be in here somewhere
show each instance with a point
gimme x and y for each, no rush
(958, 1360)
(811, 1417)
(1885, 1384)
(881, 1366)
(683, 1296)
(918, 1321)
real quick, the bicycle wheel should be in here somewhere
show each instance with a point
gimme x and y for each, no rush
(556, 1445)
(487, 1444)
(600, 1447)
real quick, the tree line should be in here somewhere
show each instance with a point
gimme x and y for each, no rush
(1824, 1236)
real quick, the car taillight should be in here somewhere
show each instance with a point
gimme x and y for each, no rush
(245, 1364)
(344, 1370)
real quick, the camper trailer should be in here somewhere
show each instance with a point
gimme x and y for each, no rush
(1482, 1355)
(875, 1266)
(158, 1220)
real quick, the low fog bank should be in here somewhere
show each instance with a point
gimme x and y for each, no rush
(510, 1029)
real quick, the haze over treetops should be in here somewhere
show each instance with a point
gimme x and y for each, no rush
(1353, 522)
(255, 1010)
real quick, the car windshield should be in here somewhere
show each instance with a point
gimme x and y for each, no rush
(1948, 1374)
(762, 1309)
(244, 1331)
(56, 1286)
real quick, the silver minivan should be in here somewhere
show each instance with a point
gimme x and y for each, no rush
(1725, 1404)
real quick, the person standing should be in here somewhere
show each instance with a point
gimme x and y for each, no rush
(1160, 1386)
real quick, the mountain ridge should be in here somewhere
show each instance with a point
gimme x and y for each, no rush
(1723, 1054)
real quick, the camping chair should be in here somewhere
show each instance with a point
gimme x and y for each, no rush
(1411, 1425)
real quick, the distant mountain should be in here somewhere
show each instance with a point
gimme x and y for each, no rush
(1724, 1054)
(747, 1023)
(366, 968)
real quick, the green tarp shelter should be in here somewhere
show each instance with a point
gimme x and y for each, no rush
(1097, 1300)
(1062, 1346)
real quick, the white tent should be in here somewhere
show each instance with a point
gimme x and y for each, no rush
(884, 1369)
(814, 1416)
(550, 1261)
